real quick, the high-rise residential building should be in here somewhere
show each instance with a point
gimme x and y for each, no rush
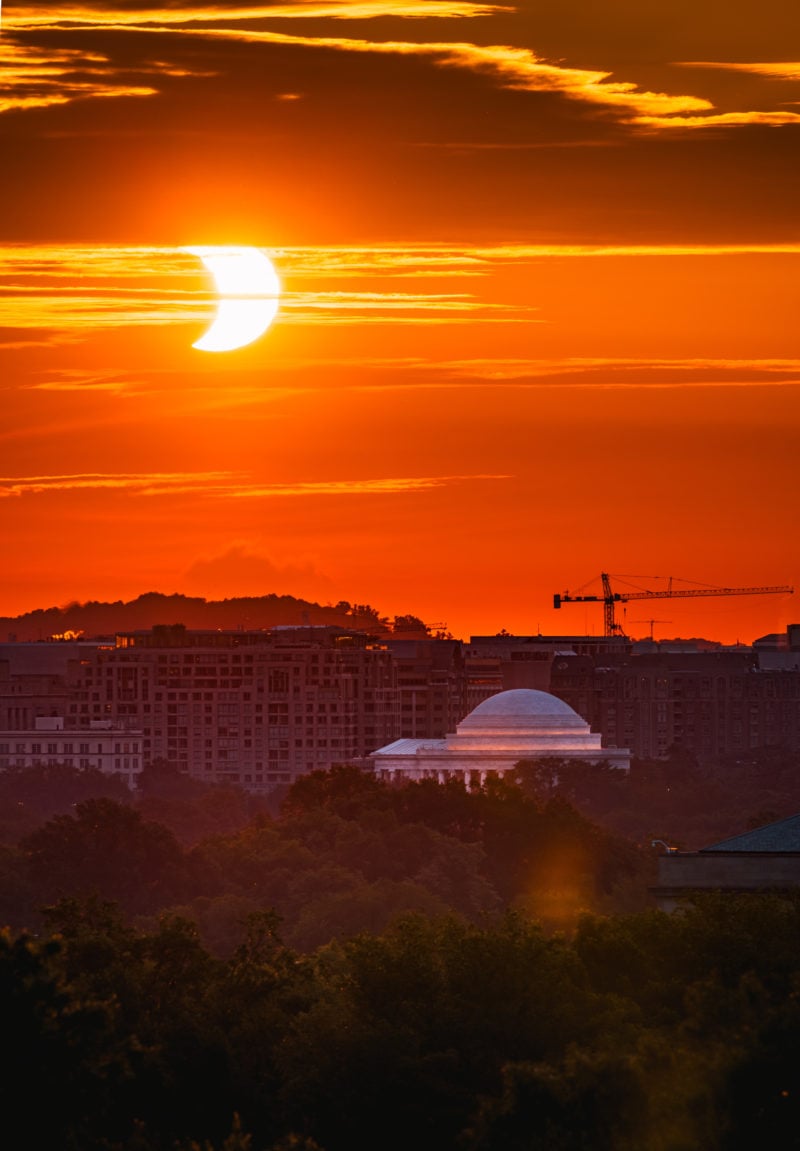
(505, 662)
(712, 704)
(431, 685)
(251, 708)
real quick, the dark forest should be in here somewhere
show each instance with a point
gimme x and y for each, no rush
(376, 966)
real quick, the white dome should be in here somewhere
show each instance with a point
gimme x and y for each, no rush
(495, 736)
(522, 708)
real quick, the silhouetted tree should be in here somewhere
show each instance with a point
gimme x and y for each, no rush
(106, 848)
(412, 623)
(66, 1060)
(30, 795)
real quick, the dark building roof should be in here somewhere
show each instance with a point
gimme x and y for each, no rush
(783, 836)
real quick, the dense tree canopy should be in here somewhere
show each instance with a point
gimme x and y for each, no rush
(347, 854)
(678, 799)
(417, 966)
(638, 1033)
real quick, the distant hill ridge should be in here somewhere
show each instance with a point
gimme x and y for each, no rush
(96, 618)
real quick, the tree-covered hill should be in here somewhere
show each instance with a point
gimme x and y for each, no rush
(96, 618)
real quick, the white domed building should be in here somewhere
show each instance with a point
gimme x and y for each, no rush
(508, 727)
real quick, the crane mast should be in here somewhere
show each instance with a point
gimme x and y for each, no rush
(611, 598)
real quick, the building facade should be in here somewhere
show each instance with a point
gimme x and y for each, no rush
(250, 708)
(431, 685)
(766, 859)
(712, 704)
(101, 746)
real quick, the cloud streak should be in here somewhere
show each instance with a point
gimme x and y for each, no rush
(510, 66)
(80, 15)
(695, 372)
(222, 485)
(33, 78)
(719, 120)
(133, 287)
(77, 291)
(150, 483)
(789, 70)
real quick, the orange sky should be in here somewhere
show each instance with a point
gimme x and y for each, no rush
(539, 314)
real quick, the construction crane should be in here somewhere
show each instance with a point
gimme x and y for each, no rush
(652, 623)
(610, 598)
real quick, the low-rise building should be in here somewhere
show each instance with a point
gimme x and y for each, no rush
(101, 746)
(766, 859)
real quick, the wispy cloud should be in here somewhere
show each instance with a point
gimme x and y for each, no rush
(226, 485)
(512, 67)
(620, 372)
(399, 307)
(73, 292)
(34, 78)
(146, 484)
(720, 120)
(358, 486)
(78, 382)
(209, 389)
(481, 260)
(301, 377)
(776, 70)
(578, 375)
(76, 290)
(26, 16)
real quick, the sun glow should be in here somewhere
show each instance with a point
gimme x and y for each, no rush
(248, 288)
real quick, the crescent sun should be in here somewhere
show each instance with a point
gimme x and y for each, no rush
(248, 289)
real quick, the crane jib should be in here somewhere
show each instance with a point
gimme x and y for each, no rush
(609, 597)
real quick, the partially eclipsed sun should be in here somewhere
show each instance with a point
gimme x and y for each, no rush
(248, 289)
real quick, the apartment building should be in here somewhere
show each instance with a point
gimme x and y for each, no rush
(506, 662)
(713, 704)
(431, 685)
(250, 708)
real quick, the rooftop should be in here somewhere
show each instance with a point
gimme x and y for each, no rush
(781, 836)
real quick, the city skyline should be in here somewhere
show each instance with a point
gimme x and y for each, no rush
(539, 297)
